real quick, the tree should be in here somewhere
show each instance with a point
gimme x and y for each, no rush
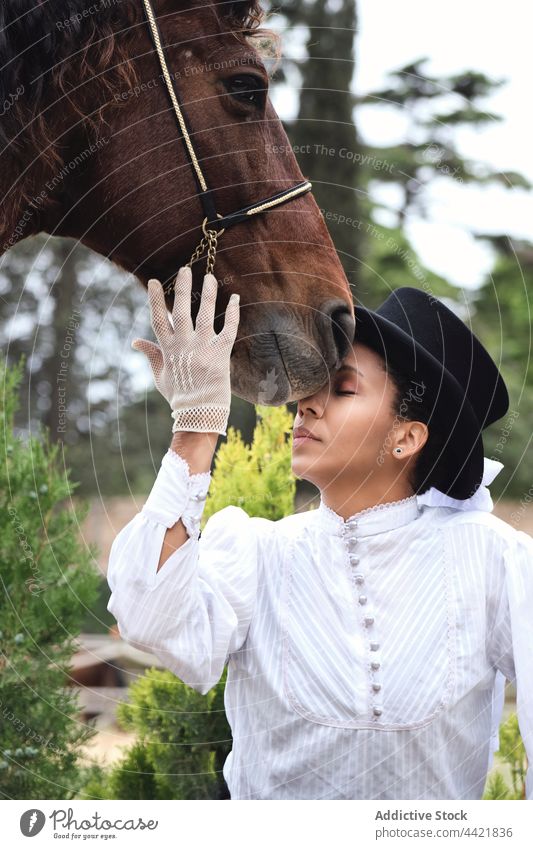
(324, 135)
(502, 317)
(434, 107)
(347, 172)
(72, 315)
(47, 581)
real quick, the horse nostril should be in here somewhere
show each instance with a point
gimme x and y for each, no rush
(343, 327)
(338, 329)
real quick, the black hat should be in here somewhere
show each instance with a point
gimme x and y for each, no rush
(422, 338)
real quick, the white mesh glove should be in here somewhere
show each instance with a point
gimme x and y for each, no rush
(192, 366)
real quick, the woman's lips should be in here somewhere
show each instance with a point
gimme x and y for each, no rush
(301, 440)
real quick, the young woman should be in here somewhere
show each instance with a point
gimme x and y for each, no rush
(367, 641)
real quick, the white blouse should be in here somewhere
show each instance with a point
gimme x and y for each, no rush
(366, 658)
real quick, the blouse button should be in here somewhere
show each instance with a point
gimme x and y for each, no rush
(374, 646)
(375, 665)
(358, 578)
(362, 599)
(377, 711)
(376, 687)
(354, 560)
(369, 620)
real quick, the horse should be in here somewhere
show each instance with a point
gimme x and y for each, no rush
(91, 150)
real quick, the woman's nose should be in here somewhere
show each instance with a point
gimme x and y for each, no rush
(313, 404)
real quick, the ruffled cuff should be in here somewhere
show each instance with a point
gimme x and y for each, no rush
(177, 494)
(199, 487)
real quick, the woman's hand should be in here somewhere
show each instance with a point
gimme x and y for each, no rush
(191, 365)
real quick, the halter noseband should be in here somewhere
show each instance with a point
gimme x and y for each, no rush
(213, 224)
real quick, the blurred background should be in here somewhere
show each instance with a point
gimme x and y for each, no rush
(412, 121)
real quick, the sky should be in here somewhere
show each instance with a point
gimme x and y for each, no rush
(484, 36)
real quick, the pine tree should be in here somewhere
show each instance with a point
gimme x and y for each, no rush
(324, 133)
(501, 310)
(47, 583)
(435, 108)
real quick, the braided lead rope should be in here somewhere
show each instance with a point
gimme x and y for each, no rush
(172, 93)
(209, 240)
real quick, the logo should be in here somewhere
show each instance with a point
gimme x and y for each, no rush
(268, 387)
(32, 822)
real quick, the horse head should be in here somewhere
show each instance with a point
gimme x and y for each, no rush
(92, 150)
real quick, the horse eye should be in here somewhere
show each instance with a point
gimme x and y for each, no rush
(247, 89)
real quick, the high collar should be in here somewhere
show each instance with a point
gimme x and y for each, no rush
(373, 520)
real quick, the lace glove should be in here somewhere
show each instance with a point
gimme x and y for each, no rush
(191, 365)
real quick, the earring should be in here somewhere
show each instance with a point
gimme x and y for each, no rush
(398, 450)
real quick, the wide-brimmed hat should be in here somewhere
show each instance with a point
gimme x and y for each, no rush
(421, 337)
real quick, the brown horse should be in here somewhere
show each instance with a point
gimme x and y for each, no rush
(91, 150)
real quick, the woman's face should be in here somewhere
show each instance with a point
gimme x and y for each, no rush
(352, 424)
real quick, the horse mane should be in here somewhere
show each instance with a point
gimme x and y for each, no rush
(48, 50)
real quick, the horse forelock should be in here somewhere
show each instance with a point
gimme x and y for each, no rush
(49, 48)
(245, 14)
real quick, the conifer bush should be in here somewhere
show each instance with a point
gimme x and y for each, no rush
(511, 758)
(47, 583)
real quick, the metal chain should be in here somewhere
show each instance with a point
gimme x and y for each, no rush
(198, 251)
(208, 242)
(211, 250)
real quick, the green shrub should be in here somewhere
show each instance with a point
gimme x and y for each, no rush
(47, 583)
(512, 758)
(256, 477)
(181, 744)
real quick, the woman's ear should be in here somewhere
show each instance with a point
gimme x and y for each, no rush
(410, 439)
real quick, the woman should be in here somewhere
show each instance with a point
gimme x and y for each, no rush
(367, 640)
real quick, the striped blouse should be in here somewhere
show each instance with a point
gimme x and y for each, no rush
(366, 656)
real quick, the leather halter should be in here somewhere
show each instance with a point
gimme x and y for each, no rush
(213, 224)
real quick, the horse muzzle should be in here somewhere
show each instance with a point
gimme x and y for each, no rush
(282, 355)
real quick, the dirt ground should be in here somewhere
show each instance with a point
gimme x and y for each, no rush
(107, 745)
